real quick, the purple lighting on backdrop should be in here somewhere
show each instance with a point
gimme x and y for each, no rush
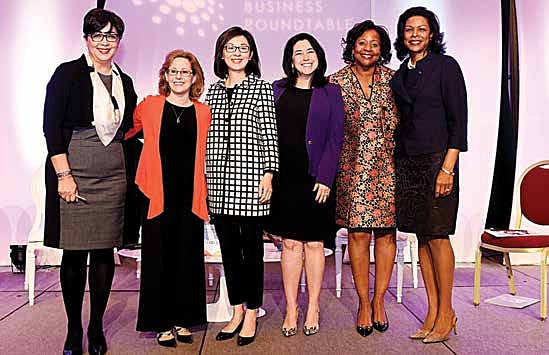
(40, 34)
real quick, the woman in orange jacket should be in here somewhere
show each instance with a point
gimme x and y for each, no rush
(171, 175)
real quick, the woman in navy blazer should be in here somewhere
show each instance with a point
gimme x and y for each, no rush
(310, 115)
(431, 97)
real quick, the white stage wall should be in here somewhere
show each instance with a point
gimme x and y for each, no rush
(40, 34)
(533, 141)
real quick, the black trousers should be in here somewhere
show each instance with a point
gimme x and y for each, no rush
(241, 242)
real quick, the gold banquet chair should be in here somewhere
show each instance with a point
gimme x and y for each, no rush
(532, 196)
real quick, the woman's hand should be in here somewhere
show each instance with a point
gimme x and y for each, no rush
(322, 192)
(444, 184)
(265, 189)
(445, 179)
(66, 187)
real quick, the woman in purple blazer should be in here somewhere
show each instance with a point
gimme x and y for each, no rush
(310, 116)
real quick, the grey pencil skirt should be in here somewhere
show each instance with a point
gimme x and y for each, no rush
(100, 175)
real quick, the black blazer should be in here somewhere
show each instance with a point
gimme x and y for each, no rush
(69, 104)
(436, 119)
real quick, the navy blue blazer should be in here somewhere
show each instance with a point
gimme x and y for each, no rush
(436, 119)
(324, 131)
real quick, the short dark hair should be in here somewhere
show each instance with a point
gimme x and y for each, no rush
(220, 67)
(97, 18)
(319, 78)
(358, 29)
(436, 44)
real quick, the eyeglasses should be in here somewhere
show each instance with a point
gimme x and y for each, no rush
(99, 36)
(183, 73)
(231, 48)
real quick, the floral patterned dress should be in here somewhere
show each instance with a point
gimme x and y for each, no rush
(365, 185)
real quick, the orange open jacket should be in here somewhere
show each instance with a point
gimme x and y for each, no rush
(148, 117)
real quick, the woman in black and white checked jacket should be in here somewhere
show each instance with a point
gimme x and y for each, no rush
(241, 156)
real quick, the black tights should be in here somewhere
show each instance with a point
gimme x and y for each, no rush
(73, 284)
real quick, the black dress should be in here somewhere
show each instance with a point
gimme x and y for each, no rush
(294, 212)
(173, 290)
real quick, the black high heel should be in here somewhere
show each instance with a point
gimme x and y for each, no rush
(73, 343)
(242, 341)
(97, 344)
(183, 338)
(229, 335)
(72, 351)
(170, 343)
(97, 349)
(364, 330)
(382, 326)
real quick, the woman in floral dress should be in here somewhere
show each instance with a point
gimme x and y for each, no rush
(365, 186)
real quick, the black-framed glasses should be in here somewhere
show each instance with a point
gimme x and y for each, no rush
(99, 36)
(183, 73)
(231, 48)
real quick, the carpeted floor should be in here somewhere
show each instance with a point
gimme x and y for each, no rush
(487, 329)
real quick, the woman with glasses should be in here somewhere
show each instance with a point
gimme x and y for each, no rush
(241, 157)
(88, 107)
(309, 113)
(175, 124)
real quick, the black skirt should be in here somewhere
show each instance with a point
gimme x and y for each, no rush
(417, 209)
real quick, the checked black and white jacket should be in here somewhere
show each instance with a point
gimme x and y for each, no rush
(242, 145)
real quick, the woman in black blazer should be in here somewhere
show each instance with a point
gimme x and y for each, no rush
(89, 105)
(432, 101)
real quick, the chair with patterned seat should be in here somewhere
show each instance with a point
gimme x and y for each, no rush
(532, 196)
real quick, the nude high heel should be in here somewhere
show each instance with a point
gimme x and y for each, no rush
(437, 338)
(420, 334)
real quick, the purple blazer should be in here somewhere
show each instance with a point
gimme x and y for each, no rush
(324, 132)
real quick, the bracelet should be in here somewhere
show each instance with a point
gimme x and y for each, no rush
(451, 173)
(63, 173)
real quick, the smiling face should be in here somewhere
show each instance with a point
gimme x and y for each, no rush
(367, 49)
(237, 54)
(417, 34)
(180, 76)
(304, 58)
(103, 51)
